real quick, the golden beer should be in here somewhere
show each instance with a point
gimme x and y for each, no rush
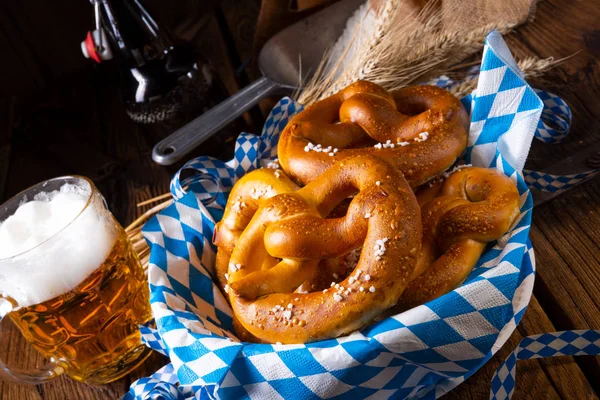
(83, 320)
(92, 331)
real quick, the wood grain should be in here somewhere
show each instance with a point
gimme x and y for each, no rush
(219, 51)
(241, 18)
(577, 80)
(566, 236)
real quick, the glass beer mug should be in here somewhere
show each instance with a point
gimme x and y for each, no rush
(72, 283)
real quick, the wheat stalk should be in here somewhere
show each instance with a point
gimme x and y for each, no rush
(529, 66)
(325, 78)
(432, 56)
(534, 66)
(362, 64)
(402, 48)
(464, 87)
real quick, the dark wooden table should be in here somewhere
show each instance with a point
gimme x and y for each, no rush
(78, 126)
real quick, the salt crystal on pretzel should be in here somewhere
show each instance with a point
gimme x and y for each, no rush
(423, 136)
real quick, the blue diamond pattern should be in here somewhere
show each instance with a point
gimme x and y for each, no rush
(510, 80)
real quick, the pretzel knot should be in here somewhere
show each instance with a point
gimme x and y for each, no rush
(421, 130)
(283, 247)
(471, 208)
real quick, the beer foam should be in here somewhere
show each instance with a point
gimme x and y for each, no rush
(52, 243)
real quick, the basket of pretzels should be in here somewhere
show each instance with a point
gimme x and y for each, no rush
(351, 249)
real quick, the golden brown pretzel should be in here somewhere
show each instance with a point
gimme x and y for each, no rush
(241, 206)
(421, 130)
(283, 244)
(471, 208)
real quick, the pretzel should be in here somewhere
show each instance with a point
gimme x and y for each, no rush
(421, 130)
(284, 245)
(471, 208)
(242, 205)
(240, 208)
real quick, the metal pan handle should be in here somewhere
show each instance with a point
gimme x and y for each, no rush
(175, 146)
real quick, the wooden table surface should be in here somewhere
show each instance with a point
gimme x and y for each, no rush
(78, 126)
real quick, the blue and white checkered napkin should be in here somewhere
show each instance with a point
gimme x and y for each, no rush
(552, 126)
(423, 352)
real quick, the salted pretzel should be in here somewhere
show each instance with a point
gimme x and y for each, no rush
(421, 130)
(284, 245)
(471, 208)
(241, 206)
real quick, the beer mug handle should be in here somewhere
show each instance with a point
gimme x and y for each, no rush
(32, 377)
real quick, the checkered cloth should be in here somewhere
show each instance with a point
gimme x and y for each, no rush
(163, 384)
(423, 352)
(555, 344)
(151, 338)
(552, 127)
